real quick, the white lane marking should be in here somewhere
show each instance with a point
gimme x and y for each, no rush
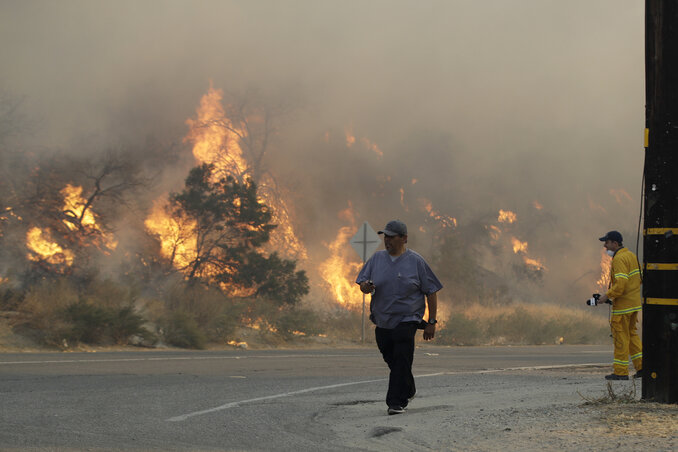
(554, 366)
(170, 358)
(226, 406)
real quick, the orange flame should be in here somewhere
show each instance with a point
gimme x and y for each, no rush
(372, 147)
(494, 232)
(518, 246)
(350, 138)
(445, 220)
(506, 216)
(217, 141)
(537, 205)
(605, 262)
(75, 205)
(339, 271)
(366, 142)
(9, 212)
(43, 249)
(177, 237)
(534, 263)
(178, 245)
(283, 238)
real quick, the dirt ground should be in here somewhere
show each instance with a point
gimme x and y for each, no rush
(563, 410)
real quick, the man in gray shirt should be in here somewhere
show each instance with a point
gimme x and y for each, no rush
(399, 279)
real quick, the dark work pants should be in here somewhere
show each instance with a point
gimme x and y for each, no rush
(397, 347)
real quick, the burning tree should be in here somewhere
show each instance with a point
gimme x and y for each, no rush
(213, 232)
(237, 144)
(74, 202)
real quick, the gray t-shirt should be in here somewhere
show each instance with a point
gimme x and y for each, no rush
(401, 286)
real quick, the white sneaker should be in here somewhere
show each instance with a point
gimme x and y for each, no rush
(396, 410)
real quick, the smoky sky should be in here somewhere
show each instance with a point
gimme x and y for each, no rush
(486, 105)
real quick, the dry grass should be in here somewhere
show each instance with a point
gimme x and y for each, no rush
(521, 323)
(628, 395)
(642, 419)
(624, 416)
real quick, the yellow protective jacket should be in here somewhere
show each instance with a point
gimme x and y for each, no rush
(624, 288)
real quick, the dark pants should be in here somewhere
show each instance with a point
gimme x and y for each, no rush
(397, 347)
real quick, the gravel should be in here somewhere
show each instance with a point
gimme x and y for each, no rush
(568, 410)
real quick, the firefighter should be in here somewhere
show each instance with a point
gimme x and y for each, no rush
(624, 292)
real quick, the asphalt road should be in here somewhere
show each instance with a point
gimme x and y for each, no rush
(231, 400)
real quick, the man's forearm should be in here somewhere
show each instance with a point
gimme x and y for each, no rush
(432, 300)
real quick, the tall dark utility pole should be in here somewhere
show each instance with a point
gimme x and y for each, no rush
(660, 244)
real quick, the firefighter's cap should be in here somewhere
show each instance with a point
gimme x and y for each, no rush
(615, 236)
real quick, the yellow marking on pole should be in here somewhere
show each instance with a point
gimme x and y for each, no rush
(661, 266)
(662, 301)
(647, 137)
(659, 231)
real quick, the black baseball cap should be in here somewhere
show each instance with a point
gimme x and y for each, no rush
(394, 227)
(615, 236)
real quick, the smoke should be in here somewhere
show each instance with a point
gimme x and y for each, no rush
(469, 107)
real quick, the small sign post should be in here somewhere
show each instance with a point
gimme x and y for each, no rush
(365, 243)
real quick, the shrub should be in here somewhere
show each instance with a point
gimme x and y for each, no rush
(88, 323)
(181, 330)
(125, 323)
(222, 328)
(108, 294)
(42, 311)
(297, 320)
(213, 313)
(55, 311)
(10, 299)
(460, 330)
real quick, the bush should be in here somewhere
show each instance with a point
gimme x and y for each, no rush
(108, 294)
(213, 313)
(297, 320)
(93, 324)
(181, 330)
(55, 311)
(42, 311)
(88, 323)
(10, 299)
(125, 323)
(460, 330)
